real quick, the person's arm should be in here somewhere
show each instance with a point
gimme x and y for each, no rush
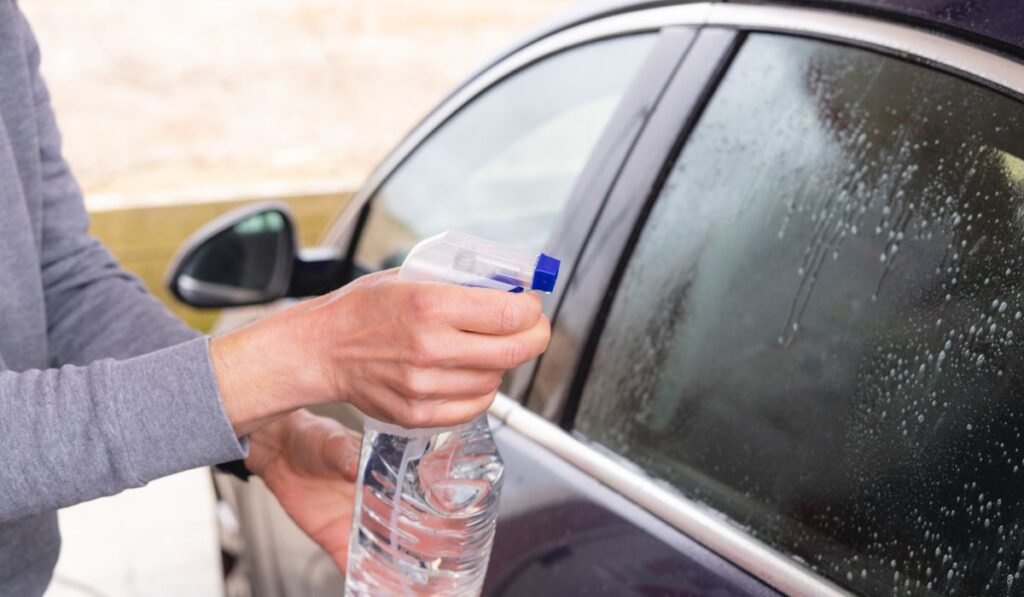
(94, 309)
(71, 434)
(80, 432)
(420, 355)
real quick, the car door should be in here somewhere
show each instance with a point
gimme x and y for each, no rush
(513, 160)
(562, 532)
(799, 341)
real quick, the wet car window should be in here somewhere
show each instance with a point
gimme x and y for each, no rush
(503, 166)
(819, 329)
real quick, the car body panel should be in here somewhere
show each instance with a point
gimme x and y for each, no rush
(560, 532)
(999, 20)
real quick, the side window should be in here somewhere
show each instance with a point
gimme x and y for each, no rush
(818, 331)
(504, 165)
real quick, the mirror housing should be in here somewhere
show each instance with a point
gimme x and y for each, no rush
(249, 256)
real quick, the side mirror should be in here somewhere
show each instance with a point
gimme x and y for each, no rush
(248, 256)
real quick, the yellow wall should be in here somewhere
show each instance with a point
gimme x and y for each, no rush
(144, 239)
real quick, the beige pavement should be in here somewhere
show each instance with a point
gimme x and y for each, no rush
(156, 541)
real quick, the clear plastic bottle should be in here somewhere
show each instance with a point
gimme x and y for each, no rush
(427, 499)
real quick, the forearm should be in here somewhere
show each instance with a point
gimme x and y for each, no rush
(260, 376)
(97, 311)
(77, 433)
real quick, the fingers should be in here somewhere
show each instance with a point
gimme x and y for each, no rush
(503, 352)
(489, 311)
(435, 383)
(423, 413)
(341, 453)
(458, 411)
(433, 348)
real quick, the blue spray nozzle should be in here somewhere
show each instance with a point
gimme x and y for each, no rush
(546, 274)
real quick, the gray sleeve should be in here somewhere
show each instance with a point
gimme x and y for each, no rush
(76, 433)
(82, 431)
(94, 309)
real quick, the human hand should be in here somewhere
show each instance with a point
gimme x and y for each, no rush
(412, 353)
(310, 464)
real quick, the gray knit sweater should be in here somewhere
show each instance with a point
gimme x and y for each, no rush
(82, 415)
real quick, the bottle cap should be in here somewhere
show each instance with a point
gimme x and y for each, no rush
(545, 274)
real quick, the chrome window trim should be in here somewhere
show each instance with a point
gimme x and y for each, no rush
(972, 62)
(699, 522)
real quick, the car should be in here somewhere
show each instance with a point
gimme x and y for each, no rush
(784, 341)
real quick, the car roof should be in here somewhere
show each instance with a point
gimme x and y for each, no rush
(998, 24)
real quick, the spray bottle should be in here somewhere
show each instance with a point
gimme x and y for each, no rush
(427, 499)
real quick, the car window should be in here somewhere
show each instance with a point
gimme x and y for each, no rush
(818, 330)
(503, 166)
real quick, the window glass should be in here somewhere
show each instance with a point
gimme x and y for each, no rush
(819, 330)
(503, 166)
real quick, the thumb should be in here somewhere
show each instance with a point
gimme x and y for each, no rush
(323, 447)
(341, 453)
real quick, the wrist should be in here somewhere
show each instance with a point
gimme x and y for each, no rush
(257, 384)
(265, 445)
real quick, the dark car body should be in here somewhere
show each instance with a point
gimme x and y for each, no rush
(586, 510)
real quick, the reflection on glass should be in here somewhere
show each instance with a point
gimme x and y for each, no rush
(503, 166)
(819, 332)
(246, 256)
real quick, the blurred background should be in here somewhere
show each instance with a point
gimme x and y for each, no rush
(174, 111)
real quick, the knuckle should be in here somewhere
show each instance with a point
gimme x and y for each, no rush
(514, 352)
(418, 415)
(423, 303)
(406, 383)
(508, 316)
(415, 384)
(425, 350)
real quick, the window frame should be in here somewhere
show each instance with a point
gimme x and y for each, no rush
(606, 262)
(345, 230)
(577, 332)
(552, 392)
